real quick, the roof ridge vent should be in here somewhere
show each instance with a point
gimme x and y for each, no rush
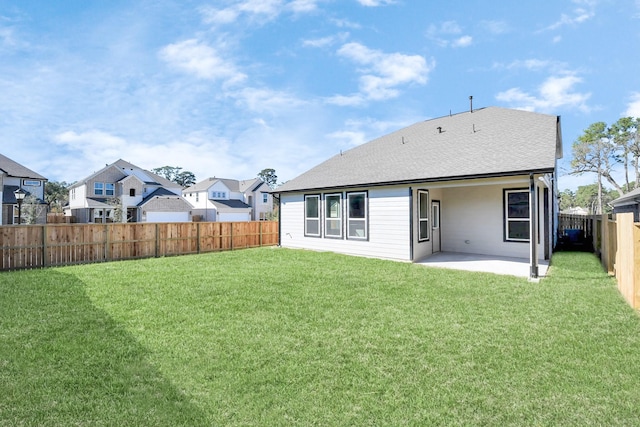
(471, 103)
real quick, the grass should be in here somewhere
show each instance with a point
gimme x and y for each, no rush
(282, 337)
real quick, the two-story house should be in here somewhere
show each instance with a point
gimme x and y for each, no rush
(219, 199)
(14, 176)
(123, 192)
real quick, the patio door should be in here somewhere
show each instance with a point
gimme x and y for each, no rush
(435, 225)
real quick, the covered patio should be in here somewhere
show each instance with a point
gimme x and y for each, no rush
(484, 263)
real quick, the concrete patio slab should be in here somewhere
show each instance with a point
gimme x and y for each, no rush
(484, 263)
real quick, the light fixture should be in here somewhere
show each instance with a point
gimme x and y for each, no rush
(20, 195)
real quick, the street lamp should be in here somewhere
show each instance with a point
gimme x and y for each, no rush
(20, 195)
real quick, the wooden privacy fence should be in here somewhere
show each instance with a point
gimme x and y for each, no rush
(619, 248)
(34, 246)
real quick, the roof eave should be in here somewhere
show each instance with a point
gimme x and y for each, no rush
(422, 180)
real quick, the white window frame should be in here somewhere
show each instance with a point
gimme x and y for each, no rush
(329, 217)
(312, 219)
(509, 220)
(265, 197)
(352, 220)
(99, 192)
(423, 216)
(109, 189)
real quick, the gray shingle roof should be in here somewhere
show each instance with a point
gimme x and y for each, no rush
(490, 141)
(15, 169)
(630, 197)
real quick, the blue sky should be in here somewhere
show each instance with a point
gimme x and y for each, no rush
(228, 88)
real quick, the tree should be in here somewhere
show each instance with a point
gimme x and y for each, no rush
(624, 134)
(56, 194)
(269, 177)
(567, 199)
(185, 178)
(594, 151)
(117, 209)
(587, 197)
(32, 209)
(175, 174)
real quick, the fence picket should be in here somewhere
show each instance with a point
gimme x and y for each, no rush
(49, 245)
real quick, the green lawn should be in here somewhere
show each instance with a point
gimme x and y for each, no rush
(273, 336)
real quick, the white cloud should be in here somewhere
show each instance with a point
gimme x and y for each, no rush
(256, 10)
(382, 73)
(375, 3)
(633, 108)
(463, 41)
(448, 34)
(584, 10)
(495, 27)
(553, 93)
(326, 41)
(261, 100)
(195, 57)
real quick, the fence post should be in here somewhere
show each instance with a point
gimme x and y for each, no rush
(45, 251)
(198, 236)
(107, 249)
(157, 240)
(636, 265)
(231, 233)
(260, 232)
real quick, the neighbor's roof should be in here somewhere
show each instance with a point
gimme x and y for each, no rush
(15, 169)
(230, 205)
(630, 198)
(232, 184)
(159, 192)
(129, 169)
(491, 141)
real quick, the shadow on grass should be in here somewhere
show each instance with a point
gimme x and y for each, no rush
(65, 362)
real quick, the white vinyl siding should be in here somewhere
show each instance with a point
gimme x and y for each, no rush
(388, 213)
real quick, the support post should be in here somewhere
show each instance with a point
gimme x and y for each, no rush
(533, 230)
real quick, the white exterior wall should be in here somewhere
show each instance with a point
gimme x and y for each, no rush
(167, 217)
(233, 217)
(472, 220)
(388, 225)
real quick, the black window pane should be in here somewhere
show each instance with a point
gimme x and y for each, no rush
(312, 207)
(519, 230)
(518, 205)
(356, 206)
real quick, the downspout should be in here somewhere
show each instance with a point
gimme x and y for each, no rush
(533, 231)
(279, 219)
(411, 224)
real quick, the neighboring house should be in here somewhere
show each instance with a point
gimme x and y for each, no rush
(219, 199)
(141, 196)
(480, 182)
(575, 211)
(12, 177)
(629, 202)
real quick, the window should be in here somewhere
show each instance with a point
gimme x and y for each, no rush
(98, 188)
(110, 189)
(30, 183)
(73, 194)
(197, 197)
(516, 215)
(132, 192)
(265, 198)
(333, 215)
(423, 215)
(435, 217)
(312, 216)
(357, 216)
